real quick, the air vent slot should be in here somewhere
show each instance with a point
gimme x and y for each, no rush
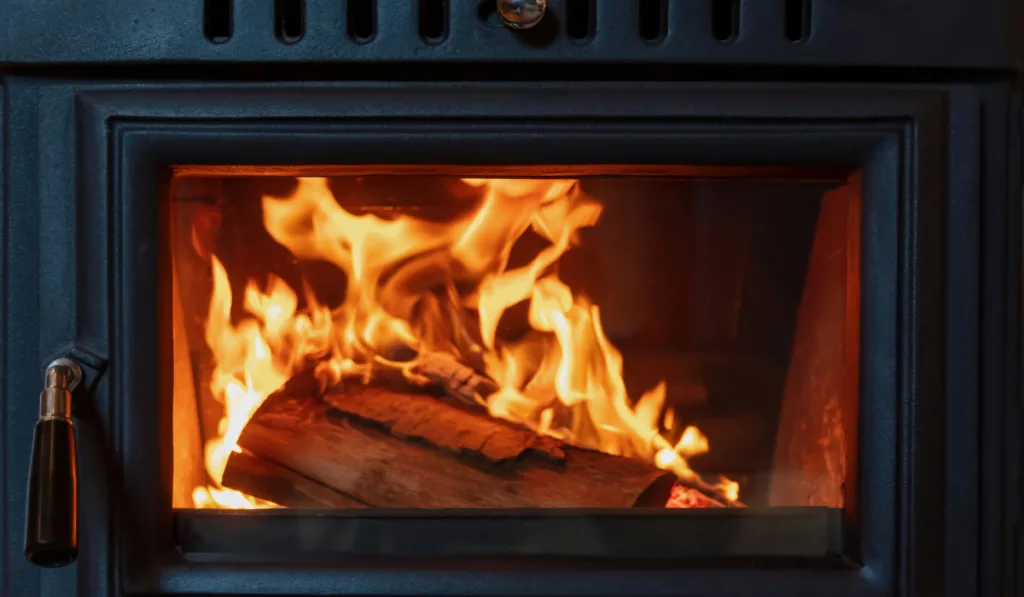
(289, 20)
(798, 20)
(653, 20)
(725, 19)
(362, 20)
(433, 17)
(217, 20)
(579, 19)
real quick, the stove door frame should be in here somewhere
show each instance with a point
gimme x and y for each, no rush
(919, 355)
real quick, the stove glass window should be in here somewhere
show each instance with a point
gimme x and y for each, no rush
(378, 338)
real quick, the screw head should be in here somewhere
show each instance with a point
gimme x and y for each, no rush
(521, 14)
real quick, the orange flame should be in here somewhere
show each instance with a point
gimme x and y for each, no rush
(568, 385)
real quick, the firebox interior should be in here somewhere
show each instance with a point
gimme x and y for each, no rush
(375, 338)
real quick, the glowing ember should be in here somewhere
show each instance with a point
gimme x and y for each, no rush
(568, 385)
(684, 497)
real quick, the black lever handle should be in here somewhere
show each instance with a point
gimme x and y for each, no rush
(51, 534)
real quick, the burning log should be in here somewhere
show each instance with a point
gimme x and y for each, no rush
(268, 481)
(386, 448)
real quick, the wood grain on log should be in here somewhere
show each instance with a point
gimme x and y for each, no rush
(457, 380)
(455, 430)
(424, 468)
(268, 481)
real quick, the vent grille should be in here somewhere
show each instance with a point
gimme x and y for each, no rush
(798, 20)
(217, 23)
(579, 19)
(289, 20)
(653, 20)
(725, 20)
(362, 20)
(434, 19)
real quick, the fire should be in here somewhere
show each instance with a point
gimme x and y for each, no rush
(403, 277)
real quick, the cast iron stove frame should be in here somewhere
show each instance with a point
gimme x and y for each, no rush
(936, 359)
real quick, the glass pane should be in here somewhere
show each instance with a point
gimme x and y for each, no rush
(369, 340)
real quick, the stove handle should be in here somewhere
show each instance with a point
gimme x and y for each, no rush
(51, 533)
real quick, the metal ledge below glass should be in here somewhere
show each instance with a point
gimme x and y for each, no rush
(650, 535)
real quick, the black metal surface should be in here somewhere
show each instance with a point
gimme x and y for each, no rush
(369, 125)
(940, 294)
(921, 33)
(51, 523)
(654, 536)
(1002, 470)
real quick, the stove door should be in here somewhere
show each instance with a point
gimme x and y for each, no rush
(896, 324)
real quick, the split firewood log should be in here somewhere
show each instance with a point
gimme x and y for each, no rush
(386, 448)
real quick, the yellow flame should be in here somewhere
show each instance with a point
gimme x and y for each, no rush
(565, 381)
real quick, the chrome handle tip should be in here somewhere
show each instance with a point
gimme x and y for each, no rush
(74, 372)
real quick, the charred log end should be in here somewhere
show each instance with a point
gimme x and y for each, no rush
(657, 493)
(265, 480)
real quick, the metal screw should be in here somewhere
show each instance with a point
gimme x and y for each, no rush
(521, 14)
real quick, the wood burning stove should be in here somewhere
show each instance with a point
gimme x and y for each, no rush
(387, 299)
